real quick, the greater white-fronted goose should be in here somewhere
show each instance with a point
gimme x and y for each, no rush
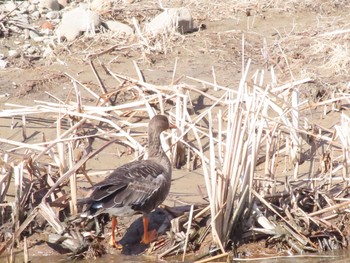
(135, 187)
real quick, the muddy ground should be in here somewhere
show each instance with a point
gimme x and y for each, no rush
(284, 35)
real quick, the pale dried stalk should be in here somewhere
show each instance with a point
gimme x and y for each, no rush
(187, 232)
(296, 139)
(46, 211)
(72, 181)
(343, 132)
(213, 259)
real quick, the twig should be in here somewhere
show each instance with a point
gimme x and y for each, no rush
(9, 13)
(112, 48)
(212, 259)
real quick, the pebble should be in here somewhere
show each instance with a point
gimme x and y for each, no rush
(50, 4)
(14, 53)
(23, 9)
(3, 63)
(32, 8)
(33, 34)
(8, 7)
(25, 34)
(34, 2)
(35, 15)
(31, 50)
(47, 25)
(63, 3)
(119, 27)
(172, 19)
(26, 46)
(101, 5)
(39, 39)
(52, 15)
(23, 19)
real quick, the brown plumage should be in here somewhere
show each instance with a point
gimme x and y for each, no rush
(135, 187)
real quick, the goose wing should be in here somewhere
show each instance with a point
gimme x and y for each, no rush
(140, 185)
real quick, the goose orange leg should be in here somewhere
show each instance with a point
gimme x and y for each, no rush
(148, 236)
(112, 241)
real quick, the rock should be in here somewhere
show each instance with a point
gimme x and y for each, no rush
(172, 19)
(14, 53)
(31, 50)
(50, 4)
(101, 5)
(39, 39)
(34, 2)
(53, 15)
(63, 3)
(23, 9)
(46, 25)
(35, 15)
(64, 31)
(3, 64)
(8, 6)
(26, 33)
(119, 27)
(71, 27)
(23, 20)
(26, 45)
(33, 34)
(32, 8)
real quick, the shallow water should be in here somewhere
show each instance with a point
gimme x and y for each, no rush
(104, 259)
(340, 256)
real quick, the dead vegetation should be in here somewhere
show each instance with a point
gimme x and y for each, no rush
(248, 198)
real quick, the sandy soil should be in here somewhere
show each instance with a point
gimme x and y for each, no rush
(275, 28)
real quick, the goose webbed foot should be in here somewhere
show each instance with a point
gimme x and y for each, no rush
(148, 236)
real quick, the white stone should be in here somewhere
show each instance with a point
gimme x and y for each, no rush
(76, 21)
(3, 64)
(14, 54)
(8, 6)
(53, 15)
(35, 15)
(119, 28)
(34, 2)
(33, 34)
(23, 19)
(31, 50)
(39, 39)
(23, 9)
(26, 45)
(32, 8)
(63, 3)
(68, 32)
(171, 20)
(101, 5)
(50, 4)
